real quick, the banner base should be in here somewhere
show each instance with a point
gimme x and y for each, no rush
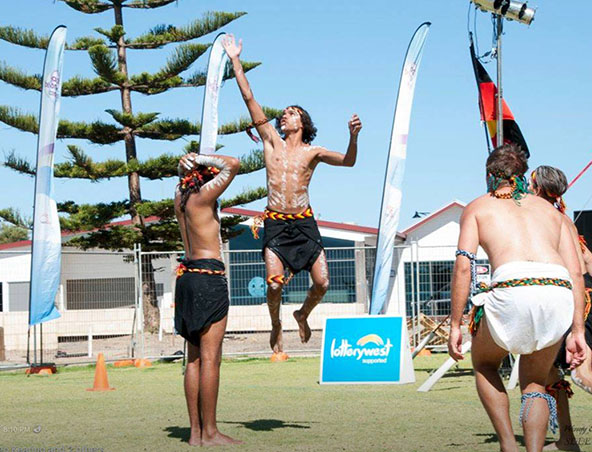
(38, 368)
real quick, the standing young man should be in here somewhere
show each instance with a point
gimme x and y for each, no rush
(201, 292)
(530, 303)
(291, 237)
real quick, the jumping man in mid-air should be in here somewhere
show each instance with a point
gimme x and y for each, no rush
(291, 237)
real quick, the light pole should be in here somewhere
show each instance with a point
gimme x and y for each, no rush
(511, 10)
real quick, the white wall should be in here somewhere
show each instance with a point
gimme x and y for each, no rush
(442, 230)
(95, 265)
(15, 267)
(434, 240)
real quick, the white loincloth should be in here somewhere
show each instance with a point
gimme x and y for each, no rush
(526, 319)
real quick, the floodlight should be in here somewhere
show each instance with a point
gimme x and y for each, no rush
(508, 9)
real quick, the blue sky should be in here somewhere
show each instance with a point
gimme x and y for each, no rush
(335, 58)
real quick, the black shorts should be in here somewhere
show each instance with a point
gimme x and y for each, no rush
(200, 299)
(561, 361)
(297, 243)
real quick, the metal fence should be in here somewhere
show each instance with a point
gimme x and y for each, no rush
(122, 304)
(428, 275)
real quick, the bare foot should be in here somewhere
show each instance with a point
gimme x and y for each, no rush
(195, 438)
(303, 328)
(276, 340)
(218, 439)
(561, 446)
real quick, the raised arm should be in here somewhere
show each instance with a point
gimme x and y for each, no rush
(264, 128)
(228, 168)
(349, 158)
(461, 279)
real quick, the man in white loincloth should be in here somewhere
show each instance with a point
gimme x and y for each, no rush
(535, 295)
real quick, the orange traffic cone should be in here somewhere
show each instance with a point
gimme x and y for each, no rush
(278, 357)
(101, 382)
(142, 363)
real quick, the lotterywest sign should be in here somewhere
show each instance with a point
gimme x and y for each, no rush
(367, 349)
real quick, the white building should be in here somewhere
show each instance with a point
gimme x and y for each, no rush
(99, 289)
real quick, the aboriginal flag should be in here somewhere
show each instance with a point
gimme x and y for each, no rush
(488, 108)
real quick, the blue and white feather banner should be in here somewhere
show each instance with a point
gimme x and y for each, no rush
(392, 194)
(46, 241)
(209, 119)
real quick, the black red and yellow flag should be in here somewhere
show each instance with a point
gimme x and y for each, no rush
(488, 108)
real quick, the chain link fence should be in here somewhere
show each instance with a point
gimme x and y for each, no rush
(122, 304)
(428, 278)
(97, 299)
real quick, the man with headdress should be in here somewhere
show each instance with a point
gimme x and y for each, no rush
(291, 240)
(201, 291)
(551, 184)
(530, 303)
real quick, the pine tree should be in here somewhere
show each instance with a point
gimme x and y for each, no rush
(10, 233)
(108, 56)
(15, 227)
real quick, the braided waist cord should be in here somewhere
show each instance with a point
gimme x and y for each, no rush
(273, 215)
(478, 311)
(181, 269)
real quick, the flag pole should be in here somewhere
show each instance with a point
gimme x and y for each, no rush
(500, 92)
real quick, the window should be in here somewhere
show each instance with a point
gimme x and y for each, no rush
(432, 282)
(18, 296)
(431, 285)
(100, 293)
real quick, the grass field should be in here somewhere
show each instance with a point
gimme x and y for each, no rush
(270, 406)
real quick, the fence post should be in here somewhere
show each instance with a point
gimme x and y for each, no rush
(140, 315)
(360, 272)
(226, 258)
(90, 339)
(415, 248)
(133, 339)
(412, 300)
(2, 348)
(174, 264)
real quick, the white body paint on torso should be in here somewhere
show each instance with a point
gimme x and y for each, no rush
(288, 177)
